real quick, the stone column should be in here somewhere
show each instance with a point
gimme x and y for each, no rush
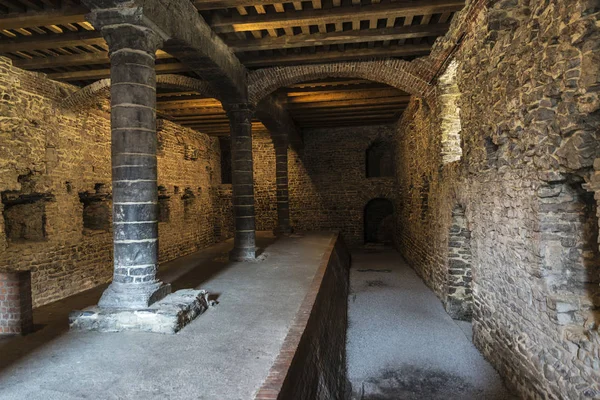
(283, 202)
(240, 120)
(134, 172)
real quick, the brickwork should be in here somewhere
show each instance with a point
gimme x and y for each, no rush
(528, 78)
(408, 76)
(53, 156)
(15, 303)
(327, 180)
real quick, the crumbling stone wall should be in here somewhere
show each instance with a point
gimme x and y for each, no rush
(54, 161)
(329, 188)
(528, 77)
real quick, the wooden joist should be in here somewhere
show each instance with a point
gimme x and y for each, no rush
(289, 19)
(51, 41)
(96, 74)
(349, 103)
(321, 39)
(334, 56)
(73, 60)
(42, 18)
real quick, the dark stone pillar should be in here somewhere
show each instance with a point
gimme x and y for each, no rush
(283, 201)
(134, 171)
(240, 120)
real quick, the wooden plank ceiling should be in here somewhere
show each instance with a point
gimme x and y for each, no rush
(52, 36)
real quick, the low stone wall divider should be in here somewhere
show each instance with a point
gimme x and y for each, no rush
(312, 361)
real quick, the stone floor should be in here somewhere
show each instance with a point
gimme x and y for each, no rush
(224, 354)
(401, 343)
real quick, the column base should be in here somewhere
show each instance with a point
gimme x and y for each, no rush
(167, 316)
(133, 296)
(283, 231)
(243, 254)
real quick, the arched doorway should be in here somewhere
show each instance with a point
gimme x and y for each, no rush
(379, 221)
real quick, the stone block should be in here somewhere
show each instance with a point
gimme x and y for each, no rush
(167, 316)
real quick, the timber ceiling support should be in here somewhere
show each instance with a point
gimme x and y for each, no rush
(330, 16)
(186, 36)
(274, 116)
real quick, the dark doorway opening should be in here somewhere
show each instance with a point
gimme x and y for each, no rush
(380, 161)
(379, 221)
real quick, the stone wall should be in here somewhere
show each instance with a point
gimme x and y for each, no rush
(527, 74)
(312, 363)
(327, 180)
(55, 164)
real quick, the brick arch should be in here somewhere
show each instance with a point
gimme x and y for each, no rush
(410, 77)
(88, 95)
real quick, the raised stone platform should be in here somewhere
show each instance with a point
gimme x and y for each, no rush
(288, 303)
(168, 315)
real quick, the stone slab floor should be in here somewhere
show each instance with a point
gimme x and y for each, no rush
(224, 354)
(401, 343)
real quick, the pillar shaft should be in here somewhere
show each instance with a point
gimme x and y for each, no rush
(283, 201)
(134, 168)
(240, 119)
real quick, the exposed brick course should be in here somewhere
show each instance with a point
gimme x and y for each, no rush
(64, 154)
(403, 75)
(15, 303)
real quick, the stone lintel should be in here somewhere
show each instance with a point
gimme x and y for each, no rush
(167, 316)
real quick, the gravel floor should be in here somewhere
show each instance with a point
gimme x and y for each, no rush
(401, 343)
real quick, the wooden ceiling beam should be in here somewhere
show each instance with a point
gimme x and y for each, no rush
(332, 38)
(334, 56)
(290, 19)
(349, 103)
(344, 110)
(43, 18)
(366, 94)
(31, 43)
(203, 5)
(105, 73)
(341, 91)
(74, 60)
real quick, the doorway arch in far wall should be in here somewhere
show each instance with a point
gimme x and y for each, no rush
(379, 221)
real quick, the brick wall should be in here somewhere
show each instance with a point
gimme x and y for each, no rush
(51, 159)
(328, 185)
(15, 303)
(528, 80)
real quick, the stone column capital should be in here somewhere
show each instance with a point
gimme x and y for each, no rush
(128, 36)
(125, 27)
(239, 113)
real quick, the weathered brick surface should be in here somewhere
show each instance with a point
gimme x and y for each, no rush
(528, 78)
(15, 303)
(327, 181)
(62, 154)
(408, 76)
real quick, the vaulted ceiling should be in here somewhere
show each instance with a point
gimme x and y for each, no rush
(52, 36)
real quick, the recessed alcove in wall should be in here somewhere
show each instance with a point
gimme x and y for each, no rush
(225, 146)
(378, 221)
(96, 209)
(379, 160)
(25, 216)
(164, 205)
(189, 199)
(459, 295)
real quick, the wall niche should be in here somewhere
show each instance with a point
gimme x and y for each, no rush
(96, 209)
(189, 198)
(379, 160)
(25, 216)
(164, 205)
